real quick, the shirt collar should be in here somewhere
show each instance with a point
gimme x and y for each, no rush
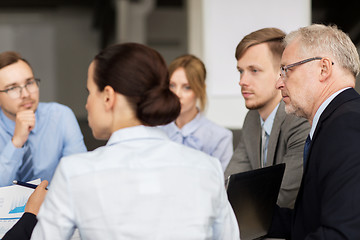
(135, 133)
(268, 123)
(190, 127)
(321, 110)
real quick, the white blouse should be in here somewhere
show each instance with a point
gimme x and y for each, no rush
(140, 185)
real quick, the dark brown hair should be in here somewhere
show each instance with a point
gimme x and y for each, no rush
(10, 57)
(195, 72)
(272, 36)
(140, 74)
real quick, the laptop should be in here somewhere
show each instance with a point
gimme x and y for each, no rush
(253, 196)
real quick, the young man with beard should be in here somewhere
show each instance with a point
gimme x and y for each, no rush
(33, 136)
(269, 136)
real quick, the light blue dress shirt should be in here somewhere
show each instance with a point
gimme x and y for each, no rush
(267, 125)
(141, 185)
(204, 135)
(56, 134)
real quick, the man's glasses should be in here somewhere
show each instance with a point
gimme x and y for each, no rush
(31, 86)
(284, 69)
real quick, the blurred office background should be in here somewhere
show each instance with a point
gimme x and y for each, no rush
(60, 38)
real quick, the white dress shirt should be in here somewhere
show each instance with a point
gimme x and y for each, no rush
(140, 185)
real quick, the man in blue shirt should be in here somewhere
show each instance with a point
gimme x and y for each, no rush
(33, 136)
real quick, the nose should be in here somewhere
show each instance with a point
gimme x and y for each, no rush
(177, 91)
(24, 92)
(243, 80)
(279, 83)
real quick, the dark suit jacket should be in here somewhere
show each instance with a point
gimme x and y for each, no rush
(286, 145)
(22, 229)
(328, 203)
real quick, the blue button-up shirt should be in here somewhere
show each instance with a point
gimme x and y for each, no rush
(204, 135)
(56, 134)
(267, 125)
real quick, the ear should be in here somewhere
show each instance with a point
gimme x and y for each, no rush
(109, 97)
(326, 69)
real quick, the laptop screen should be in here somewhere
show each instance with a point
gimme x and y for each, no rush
(253, 197)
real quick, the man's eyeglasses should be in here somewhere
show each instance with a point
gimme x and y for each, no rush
(284, 69)
(31, 86)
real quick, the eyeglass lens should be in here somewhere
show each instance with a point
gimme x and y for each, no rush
(31, 87)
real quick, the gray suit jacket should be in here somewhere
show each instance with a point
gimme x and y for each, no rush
(286, 145)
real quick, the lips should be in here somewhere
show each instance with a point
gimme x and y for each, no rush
(284, 96)
(27, 105)
(246, 94)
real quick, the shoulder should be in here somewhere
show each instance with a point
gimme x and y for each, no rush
(54, 111)
(349, 108)
(336, 131)
(192, 158)
(168, 128)
(290, 121)
(53, 107)
(292, 130)
(344, 107)
(212, 128)
(252, 115)
(344, 117)
(79, 163)
(251, 121)
(139, 156)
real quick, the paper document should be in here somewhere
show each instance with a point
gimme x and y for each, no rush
(12, 204)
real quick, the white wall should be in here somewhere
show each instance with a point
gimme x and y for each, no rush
(34, 40)
(162, 28)
(217, 27)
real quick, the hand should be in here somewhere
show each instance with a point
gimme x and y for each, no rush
(24, 123)
(36, 198)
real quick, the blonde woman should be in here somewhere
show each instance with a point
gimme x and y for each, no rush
(191, 127)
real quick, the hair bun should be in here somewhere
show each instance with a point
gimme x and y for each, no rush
(158, 106)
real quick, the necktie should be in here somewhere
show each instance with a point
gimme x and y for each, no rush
(306, 148)
(263, 147)
(26, 172)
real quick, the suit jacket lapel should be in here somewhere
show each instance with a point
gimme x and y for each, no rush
(346, 95)
(253, 133)
(275, 132)
(343, 97)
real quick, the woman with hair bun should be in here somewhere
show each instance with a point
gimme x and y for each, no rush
(191, 127)
(141, 185)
